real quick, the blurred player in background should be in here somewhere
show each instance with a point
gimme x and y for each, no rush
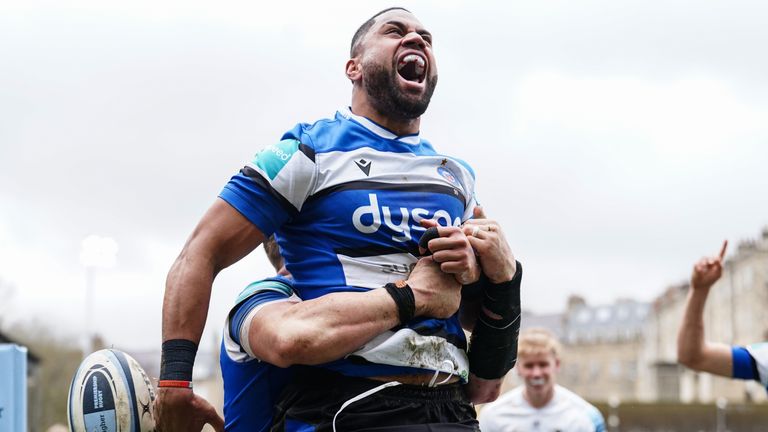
(695, 352)
(540, 404)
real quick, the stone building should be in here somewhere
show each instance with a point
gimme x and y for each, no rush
(601, 347)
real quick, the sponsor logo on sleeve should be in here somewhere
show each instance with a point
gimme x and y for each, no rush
(272, 159)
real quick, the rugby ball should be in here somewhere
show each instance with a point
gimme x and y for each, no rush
(110, 392)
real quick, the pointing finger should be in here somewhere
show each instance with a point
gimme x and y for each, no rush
(722, 250)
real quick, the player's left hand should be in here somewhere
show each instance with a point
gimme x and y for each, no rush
(453, 251)
(488, 240)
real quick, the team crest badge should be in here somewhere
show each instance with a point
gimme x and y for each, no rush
(448, 175)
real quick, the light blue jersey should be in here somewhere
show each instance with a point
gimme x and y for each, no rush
(344, 197)
(251, 387)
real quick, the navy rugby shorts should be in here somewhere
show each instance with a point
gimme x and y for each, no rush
(311, 401)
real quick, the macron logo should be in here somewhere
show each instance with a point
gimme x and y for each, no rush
(364, 165)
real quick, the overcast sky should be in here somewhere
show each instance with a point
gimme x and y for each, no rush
(615, 141)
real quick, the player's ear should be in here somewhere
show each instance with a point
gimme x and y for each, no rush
(354, 70)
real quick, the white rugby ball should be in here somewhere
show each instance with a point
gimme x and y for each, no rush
(110, 392)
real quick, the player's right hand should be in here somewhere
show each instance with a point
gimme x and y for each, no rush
(181, 410)
(708, 270)
(437, 294)
(453, 251)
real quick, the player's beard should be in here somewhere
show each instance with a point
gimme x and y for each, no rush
(386, 97)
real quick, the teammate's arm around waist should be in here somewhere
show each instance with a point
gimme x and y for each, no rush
(329, 327)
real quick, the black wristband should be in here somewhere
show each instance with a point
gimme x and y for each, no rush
(476, 290)
(177, 360)
(503, 299)
(493, 351)
(402, 294)
(493, 346)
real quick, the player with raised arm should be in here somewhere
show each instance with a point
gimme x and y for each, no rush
(695, 352)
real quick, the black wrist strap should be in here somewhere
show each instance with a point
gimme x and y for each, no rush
(503, 298)
(402, 294)
(177, 360)
(493, 346)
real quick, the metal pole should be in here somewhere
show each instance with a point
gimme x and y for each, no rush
(613, 413)
(88, 311)
(721, 404)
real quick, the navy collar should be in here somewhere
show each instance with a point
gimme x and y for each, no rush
(377, 129)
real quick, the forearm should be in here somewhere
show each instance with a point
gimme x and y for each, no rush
(323, 329)
(690, 337)
(471, 303)
(222, 237)
(693, 350)
(493, 345)
(187, 295)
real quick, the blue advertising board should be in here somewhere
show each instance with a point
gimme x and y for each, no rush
(13, 388)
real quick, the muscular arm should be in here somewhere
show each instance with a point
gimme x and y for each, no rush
(221, 238)
(693, 350)
(329, 327)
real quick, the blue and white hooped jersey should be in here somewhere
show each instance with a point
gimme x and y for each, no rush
(751, 362)
(251, 387)
(344, 197)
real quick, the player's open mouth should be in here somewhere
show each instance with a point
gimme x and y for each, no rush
(412, 67)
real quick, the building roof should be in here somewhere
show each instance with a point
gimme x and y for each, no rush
(617, 322)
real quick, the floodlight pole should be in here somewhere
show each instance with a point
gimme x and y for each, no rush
(89, 293)
(96, 252)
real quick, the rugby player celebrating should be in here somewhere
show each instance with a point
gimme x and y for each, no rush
(348, 198)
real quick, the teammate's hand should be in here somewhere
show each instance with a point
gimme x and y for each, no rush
(453, 251)
(437, 294)
(181, 410)
(481, 390)
(708, 270)
(490, 245)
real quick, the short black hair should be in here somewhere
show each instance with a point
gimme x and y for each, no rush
(363, 29)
